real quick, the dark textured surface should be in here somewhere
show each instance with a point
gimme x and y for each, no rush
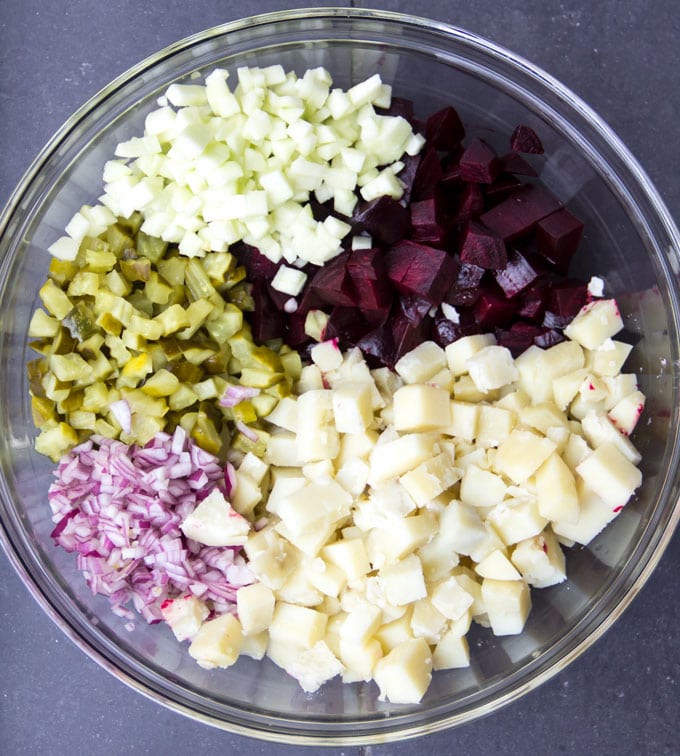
(623, 695)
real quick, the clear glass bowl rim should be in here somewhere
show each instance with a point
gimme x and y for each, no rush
(653, 551)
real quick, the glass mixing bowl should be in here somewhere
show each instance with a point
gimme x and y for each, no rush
(630, 240)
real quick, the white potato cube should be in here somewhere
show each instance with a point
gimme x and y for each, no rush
(356, 446)
(282, 450)
(421, 363)
(297, 625)
(419, 407)
(352, 407)
(497, 566)
(313, 506)
(215, 522)
(427, 621)
(184, 614)
(516, 519)
(394, 633)
(430, 479)
(464, 419)
(595, 323)
(398, 539)
(246, 494)
(492, 367)
(359, 659)
(451, 599)
(460, 351)
(566, 387)
(521, 454)
(255, 646)
(255, 607)
(508, 603)
(403, 582)
(317, 437)
(361, 623)
(626, 412)
(404, 674)
(254, 467)
(556, 490)
(350, 556)
(594, 515)
(461, 527)
(609, 357)
(394, 458)
(285, 414)
(495, 425)
(217, 642)
(540, 560)
(599, 429)
(353, 476)
(610, 475)
(451, 652)
(327, 355)
(481, 488)
(311, 667)
(326, 577)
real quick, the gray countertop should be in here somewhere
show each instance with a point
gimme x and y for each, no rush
(620, 697)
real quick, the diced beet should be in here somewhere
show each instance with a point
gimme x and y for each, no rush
(445, 331)
(493, 310)
(378, 346)
(514, 163)
(548, 338)
(399, 106)
(520, 212)
(504, 185)
(309, 300)
(465, 289)
(277, 297)
(414, 308)
(470, 204)
(517, 274)
(534, 302)
(424, 225)
(417, 269)
(525, 139)
(332, 284)
(428, 174)
(345, 324)
(257, 265)
(452, 176)
(567, 298)
(479, 163)
(266, 320)
(518, 337)
(444, 130)
(375, 318)
(372, 290)
(558, 236)
(483, 247)
(295, 330)
(406, 335)
(385, 219)
(407, 175)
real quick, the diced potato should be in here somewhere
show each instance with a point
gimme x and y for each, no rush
(184, 614)
(507, 603)
(421, 363)
(310, 666)
(218, 642)
(460, 351)
(297, 625)
(497, 566)
(359, 659)
(451, 652)
(404, 674)
(394, 458)
(595, 323)
(521, 454)
(495, 425)
(419, 407)
(427, 621)
(610, 475)
(464, 419)
(247, 493)
(481, 488)
(255, 607)
(556, 490)
(430, 479)
(328, 578)
(398, 539)
(350, 556)
(394, 633)
(540, 560)
(492, 367)
(516, 519)
(594, 515)
(609, 357)
(451, 599)
(214, 522)
(599, 429)
(352, 407)
(626, 412)
(403, 581)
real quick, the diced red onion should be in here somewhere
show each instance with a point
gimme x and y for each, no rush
(119, 509)
(248, 432)
(121, 411)
(235, 394)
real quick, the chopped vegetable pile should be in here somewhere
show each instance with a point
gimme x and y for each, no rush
(319, 386)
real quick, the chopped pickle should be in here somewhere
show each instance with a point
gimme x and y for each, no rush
(172, 269)
(42, 326)
(236, 276)
(241, 297)
(182, 398)
(131, 224)
(260, 377)
(292, 363)
(55, 300)
(161, 383)
(149, 329)
(156, 291)
(72, 402)
(263, 357)
(150, 246)
(99, 260)
(42, 410)
(210, 388)
(198, 283)
(85, 283)
(91, 347)
(242, 443)
(82, 420)
(109, 323)
(137, 269)
(37, 370)
(197, 355)
(185, 371)
(62, 271)
(244, 412)
(218, 265)
(55, 389)
(118, 239)
(81, 321)
(118, 284)
(173, 319)
(205, 434)
(55, 440)
(135, 370)
(264, 404)
(96, 397)
(69, 367)
(226, 324)
(141, 303)
(218, 362)
(197, 312)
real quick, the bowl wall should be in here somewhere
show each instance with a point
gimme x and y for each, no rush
(629, 241)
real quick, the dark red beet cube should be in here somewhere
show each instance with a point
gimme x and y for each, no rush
(414, 308)
(469, 204)
(567, 298)
(558, 236)
(534, 302)
(332, 284)
(518, 337)
(366, 268)
(493, 310)
(445, 331)
(257, 265)
(525, 139)
(548, 338)
(424, 225)
(346, 325)
(514, 163)
(378, 346)
(399, 106)
(295, 330)
(479, 163)
(504, 185)
(385, 219)
(444, 130)
(417, 269)
(465, 289)
(520, 212)
(517, 275)
(483, 247)
(407, 175)
(407, 335)
(428, 175)
(267, 322)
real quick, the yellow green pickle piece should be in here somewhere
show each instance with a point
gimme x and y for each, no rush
(55, 300)
(205, 434)
(260, 377)
(118, 284)
(82, 420)
(62, 271)
(42, 410)
(69, 367)
(217, 265)
(118, 239)
(172, 319)
(136, 268)
(263, 404)
(156, 290)
(225, 325)
(96, 397)
(99, 260)
(241, 442)
(182, 398)
(150, 246)
(161, 383)
(85, 283)
(55, 439)
(42, 326)
(172, 269)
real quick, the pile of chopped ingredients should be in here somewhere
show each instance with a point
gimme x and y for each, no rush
(319, 385)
